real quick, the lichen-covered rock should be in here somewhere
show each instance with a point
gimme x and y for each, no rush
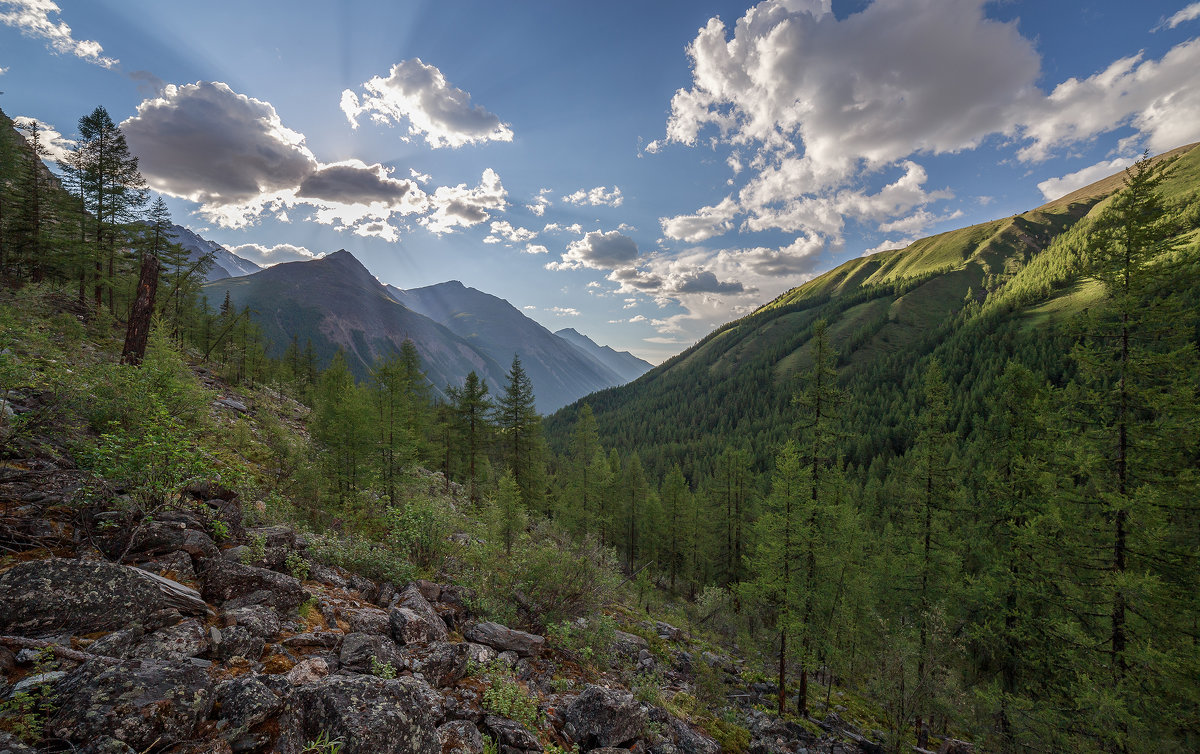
(367, 620)
(60, 595)
(236, 641)
(222, 581)
(410, 627)
(188, 638)
(10, 744)
(259, 620)
(142, 703)
(118, 643)
(504, 639)
(359, 650)
(309, 670)
(243, 703)
(690, 741)
(174, 565)
(511, 733)
(370, 715)
(441, 663)
(480, 653)
(605, 717)
(460, 737)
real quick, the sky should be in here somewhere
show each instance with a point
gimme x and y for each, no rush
(642, 172)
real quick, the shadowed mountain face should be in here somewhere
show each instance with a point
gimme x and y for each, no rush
(336, 303)
(560, 371)
(973, 297)
(625, 364)
(226, 264)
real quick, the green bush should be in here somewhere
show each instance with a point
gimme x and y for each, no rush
(419, 529)
(506, 698)
(362, 555)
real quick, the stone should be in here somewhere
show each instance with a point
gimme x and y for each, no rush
(410, 627)
(58, 595)
(237, 641)
(430, 591)
(690, 741)
(31, 683)
(185, 639)
(605, 717)
(955, 746)
(370, 715)
(359, 649)
(667, 631)
(480, 653)
(8, 660)
(460, 737)
(10, 744)
(243, 703)
(442, 663)
(314, 639)
(223, 581)
(309, 670)
(261, 621)
(412, 599)
(143, 703)
(511, 733)
(503, 638)
(367, 620)
(177, 564)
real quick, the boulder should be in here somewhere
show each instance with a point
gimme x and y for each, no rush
(503, 638)
(235, 641)
(176, 565)
(118, 643)
(411, 627)
(367, 620)
(605, 717)
(224, 581)
(60, 595)
(309, 670)
(441, 663)
(143, 703)
(261, 621)
(511, 733)
(359, 649)
(412, 599)
(10, 744)
(480, 653)
(370, 715)
(460, 737)
(690, 741)
(188, 638)
(243, 703)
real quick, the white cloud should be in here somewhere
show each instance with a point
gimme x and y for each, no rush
(269, 255)
(918, 222)
(564, 311)
(706, 223)
(1053, 188)
(535, 248)
(459, 206)
(1185, 14)
(598, 251)
(540, 202)
(575, 228)
(32, 18)
(419, 93)
(529, 308)
(3, 70)
(1159, 99)
(503, 230)
(418, 176)
(888, 245)
(596, 197)
(57, 146)
(637, 318)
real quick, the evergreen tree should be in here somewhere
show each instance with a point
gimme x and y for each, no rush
(472, 407)
(676, 506)
(586, 475)
(341, 424)
(508, 513)
(520, 428)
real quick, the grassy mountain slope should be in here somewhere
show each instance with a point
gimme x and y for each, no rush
(336, 303)
(961, 291)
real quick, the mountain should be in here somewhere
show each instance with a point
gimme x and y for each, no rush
(336, 303)
(560, 372)
(226, 264)
(625, 364)
(973, 297)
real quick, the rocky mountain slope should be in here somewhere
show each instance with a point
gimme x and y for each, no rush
(625, 364)
(226, 264)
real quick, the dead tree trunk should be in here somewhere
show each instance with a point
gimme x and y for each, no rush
(141, 313)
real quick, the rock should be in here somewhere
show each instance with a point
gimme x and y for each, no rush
(367, 620)
(118, 643)
(279, 535)
(430, 591)
(10, 744)
(667, 631)
(177, 564)
(310, 670)
(412, 599)
(331, 575)
(186, 639)
(410, 627)
(504, 638)
(31, 683)
(442, 663)
(359, 649)
(222, 581)
(314, 639)
(370, 715)
(511, 733)
(955, 746)
(144, 703)
(76, 596)
(107, 745)
(8, 660)
(261, 621)
(690, 741)
(605, 717)
(244, 703)
(628, 646)
(460, 737)
(480, 653)
(232, 404)
(237, 641)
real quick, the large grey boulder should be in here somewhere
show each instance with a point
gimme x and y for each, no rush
(244, 703)
(358, 651)
(224, 581)
(370, 715)
(511, 733)
(460, 737)
(141, 703)
(505, 639)
(605, 717)
(414, 621)
(442, 663)
(74, 596)
(185, 639)
(690, 741)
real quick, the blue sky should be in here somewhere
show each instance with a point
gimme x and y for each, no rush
(642, 172)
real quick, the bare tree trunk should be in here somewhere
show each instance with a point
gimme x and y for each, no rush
(141, 313)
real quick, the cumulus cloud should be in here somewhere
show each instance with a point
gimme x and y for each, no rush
(535, 248)
(459, 206)
(575, 228)
(540, 202)
(33, 19)
(565, 311)
(704, 224)
(266, 256)
(596, 197)
(207, 143)
(1159, 99)
(56, 145)
(918, 221)
(598, 251)
(418, 93)
(503, 230)
(1053, 188)
(1185, 14)
(354, 182)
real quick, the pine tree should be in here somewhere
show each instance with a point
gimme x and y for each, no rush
(520, 428)
(675, 506)
(341, 424)
(472, 409)
(586, 475)
(508, 513)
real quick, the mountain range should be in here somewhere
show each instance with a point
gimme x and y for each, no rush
(336, 303)
(226, 264)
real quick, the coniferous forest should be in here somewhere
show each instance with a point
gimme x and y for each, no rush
(945, 492)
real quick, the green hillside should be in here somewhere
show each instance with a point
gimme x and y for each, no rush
(999, 283)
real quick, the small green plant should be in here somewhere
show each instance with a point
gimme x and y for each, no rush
(256, 551)
(323, 744)
(647, 687)
(490, 746)
(296, 565)
(384, 670)
(219, 529)
(307, 608)
(556, 749)
(25, 714)
(506, 698)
